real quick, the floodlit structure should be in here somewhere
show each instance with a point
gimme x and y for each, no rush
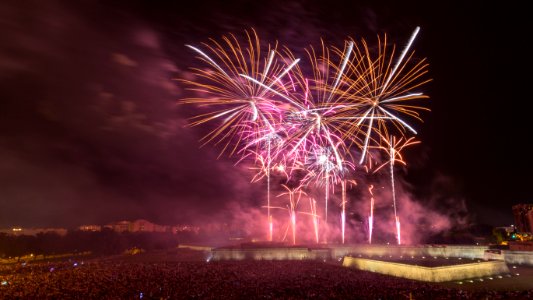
(523, 216)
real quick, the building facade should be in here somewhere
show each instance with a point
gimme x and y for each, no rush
(33, 231)
(523, 217)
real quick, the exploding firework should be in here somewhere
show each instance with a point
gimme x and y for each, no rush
(309, 126)
(246, 110)
(380, 92)
(240, 106)
(316, 136)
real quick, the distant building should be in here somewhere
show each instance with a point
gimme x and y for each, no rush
(523, 217)
(185, 228)
(120, 226)
(90, 228)
(33, 231)
(137, 226)
(142, 226)
(521, 246)
(145, 226)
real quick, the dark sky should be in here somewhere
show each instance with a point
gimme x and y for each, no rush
(90, 131)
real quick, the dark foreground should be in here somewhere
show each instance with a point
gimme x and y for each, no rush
(185, 275)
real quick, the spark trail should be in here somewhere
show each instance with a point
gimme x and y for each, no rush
(396, 218)
(394, 148)
(371, 216)
(343, 212)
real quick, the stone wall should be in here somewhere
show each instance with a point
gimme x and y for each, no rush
(518, 257)
(436, 274)
(376, 251)
(465, 251)
(270, 254)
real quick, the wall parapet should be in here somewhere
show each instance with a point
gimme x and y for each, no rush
(429, 274)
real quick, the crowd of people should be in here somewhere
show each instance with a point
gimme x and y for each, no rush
(131, 279)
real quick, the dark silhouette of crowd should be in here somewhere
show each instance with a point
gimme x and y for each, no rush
(136, 279)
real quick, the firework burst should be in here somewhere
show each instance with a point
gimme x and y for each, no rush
(380, 93)
(266, 109)
(239, 106)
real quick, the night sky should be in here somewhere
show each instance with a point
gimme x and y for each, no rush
(90, 129)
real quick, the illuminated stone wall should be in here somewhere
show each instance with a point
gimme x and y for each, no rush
(511, 257)
(464, 251)
(518, 257)
(436, 274)
(493, 255)
(270, 254)
(375, 251)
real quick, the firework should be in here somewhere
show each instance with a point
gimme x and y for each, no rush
(393, 148)
(315, 136)
(343, 212)
(245, 111)
(266, 109)
(344, 187)
(379, 94)
(371, 216)
(314, 215)
(234, 103)
(398, 231)
(291, 207)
